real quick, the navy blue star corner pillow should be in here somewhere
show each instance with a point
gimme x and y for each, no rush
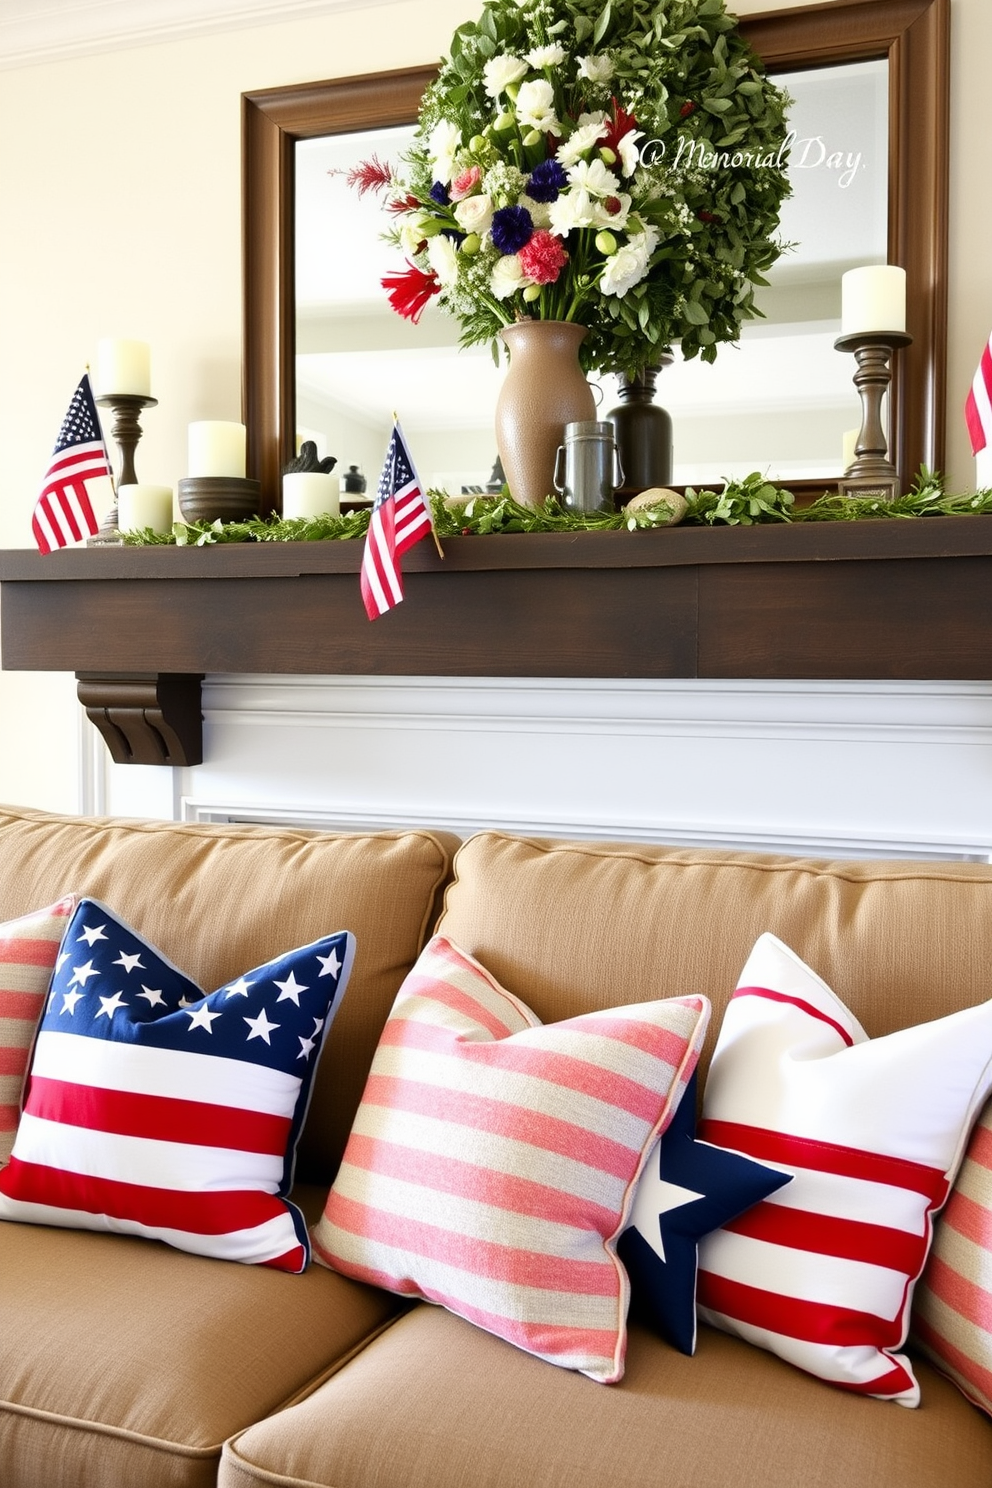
(153, 1109)
(687, 1189)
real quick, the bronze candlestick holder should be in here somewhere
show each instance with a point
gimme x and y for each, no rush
(126, 432)
(872, 473)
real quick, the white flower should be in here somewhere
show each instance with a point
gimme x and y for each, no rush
(507, 276)
(580, 141)
(536, 106)
(540, 212)
(629, 264)
(412, 232)
(596, 69)
(630, 155)
(500, 72)
(572, 209)
(602, 217)
(546, 56)
(474, 214)
(593, 176)
(442, 145)
(443, 258)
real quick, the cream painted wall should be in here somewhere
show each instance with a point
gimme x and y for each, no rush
(120, 210)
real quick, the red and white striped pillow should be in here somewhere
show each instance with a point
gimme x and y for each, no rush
(493, 1160)
(822, 1272)
(28, 948)
(952, 1314)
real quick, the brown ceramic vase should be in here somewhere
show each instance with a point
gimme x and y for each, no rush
(544, 389)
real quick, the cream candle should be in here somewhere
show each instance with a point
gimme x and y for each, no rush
(217, 447)
(310, 493)
(873, 299)
(849, 447)
(140, 506)
(123, 367)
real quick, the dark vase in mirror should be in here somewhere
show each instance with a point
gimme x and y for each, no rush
(643, 433)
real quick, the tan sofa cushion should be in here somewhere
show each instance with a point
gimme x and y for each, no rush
(123, 1361)
(435, 1402)
(571, 926)
(218, 900)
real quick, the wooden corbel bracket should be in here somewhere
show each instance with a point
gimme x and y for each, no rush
(146, 718)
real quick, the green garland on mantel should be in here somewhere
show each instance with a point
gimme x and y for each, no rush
(743, 503)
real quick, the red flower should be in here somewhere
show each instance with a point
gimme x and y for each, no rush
(687, 108)
(705, 216)
(616, 128)
(410, 291)
(543, 257)
(371, 175)
(403, 204)
(613, 205)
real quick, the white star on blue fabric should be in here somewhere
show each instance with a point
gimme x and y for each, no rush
(330, 965)
(261, 1027)
(92, 933)
(290, 989)
(129, 963)
(111, 1005)
(238, 988)
(82, 974)
(687, 1189)
(200, 1016)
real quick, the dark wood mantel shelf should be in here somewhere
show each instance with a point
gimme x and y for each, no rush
(141, 626)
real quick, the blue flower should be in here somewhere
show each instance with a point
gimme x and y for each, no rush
(547, 181)
(512, 228)
(439, 193)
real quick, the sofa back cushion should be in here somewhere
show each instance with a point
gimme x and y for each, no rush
(218, 898)
(578, 925)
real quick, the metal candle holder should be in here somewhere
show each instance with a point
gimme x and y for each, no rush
(126, 432)
(872, 473)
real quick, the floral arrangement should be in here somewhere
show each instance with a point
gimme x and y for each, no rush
(619, 163)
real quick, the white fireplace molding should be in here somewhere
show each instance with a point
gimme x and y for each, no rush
(838, 769)
(33, 31)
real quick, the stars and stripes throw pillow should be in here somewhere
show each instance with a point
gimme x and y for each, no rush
(872, 1132)
(153, 1109)
(493, 1159)
(28, 950)
(952, 1313)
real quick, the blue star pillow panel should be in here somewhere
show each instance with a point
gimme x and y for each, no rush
(687, 1189)
(154, 1109)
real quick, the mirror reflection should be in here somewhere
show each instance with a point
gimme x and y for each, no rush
(782, 401)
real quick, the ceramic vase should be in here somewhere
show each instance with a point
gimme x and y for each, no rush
(643, 433)
(544, 389)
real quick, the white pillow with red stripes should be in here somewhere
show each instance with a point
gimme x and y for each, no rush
(952, 1313)
(28, 950)
(153, 1109)
(872, 1131)
(493, 1160)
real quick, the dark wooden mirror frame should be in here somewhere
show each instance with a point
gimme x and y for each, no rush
(913, 35)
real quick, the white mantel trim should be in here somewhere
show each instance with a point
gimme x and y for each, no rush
(35, 31)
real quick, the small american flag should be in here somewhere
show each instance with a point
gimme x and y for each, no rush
(978, 405)
(400, 517)
(64, 512)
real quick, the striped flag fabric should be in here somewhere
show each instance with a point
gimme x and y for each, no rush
(978, 404)
(29, 947)
(151, 1109)
(493, 1160)
(400, 517)
(822, 1272)
(64, 512)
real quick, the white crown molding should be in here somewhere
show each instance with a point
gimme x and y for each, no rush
(35, 31)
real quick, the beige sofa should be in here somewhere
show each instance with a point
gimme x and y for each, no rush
(124, 1362)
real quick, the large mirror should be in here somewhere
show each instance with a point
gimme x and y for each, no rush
(326, 359)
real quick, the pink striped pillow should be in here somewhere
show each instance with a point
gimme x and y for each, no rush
(872, 1131)
(952, 1315)
(493, 1161)
(28, 948)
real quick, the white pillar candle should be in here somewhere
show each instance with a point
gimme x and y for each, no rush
(850, 447)
(144, 506)
(310, 493)
(217, 448)
(123, 367)
(873, 299)
(983, 469)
